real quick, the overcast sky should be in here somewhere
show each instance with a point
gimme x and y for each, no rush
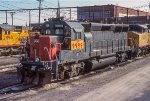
(22, 17)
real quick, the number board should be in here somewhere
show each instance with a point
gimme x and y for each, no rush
(77, 45)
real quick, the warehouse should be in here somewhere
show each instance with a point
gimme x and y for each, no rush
(111, 14)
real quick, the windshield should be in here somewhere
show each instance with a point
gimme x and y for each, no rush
(48, 32)
(59, 31)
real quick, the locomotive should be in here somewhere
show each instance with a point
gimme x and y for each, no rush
(11, 38)
(66, 49)
(140, 35)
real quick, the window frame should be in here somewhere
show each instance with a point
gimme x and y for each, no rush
(78, 35)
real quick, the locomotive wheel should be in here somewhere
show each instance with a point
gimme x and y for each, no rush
(11, 52)
(21, 75)
(67, 75)
(79, 71)
(62, 75)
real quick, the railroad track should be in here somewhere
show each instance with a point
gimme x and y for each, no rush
(15, 56)
(23, 87)
(8, 67)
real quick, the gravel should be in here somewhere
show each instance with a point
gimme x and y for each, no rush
(8, 74)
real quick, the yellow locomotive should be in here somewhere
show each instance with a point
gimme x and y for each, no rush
(11, 38)
(139, 36)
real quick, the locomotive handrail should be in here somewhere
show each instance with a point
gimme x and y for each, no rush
(60, 44)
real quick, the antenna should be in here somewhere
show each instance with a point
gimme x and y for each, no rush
(58, 10)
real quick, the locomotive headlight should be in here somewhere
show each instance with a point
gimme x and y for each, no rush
(37, 60)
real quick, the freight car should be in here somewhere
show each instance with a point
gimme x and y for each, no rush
(10, 39)
(67, 49)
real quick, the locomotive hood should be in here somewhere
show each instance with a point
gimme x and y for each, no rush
(44, 48)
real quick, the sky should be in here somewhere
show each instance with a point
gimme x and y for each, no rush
(21, 18)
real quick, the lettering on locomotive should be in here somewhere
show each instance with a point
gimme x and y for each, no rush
(77, 45)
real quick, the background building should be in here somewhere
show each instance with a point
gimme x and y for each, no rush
(112, 14)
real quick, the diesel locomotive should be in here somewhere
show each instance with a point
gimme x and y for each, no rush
(12, 38)
(67, 49)
(140, 35)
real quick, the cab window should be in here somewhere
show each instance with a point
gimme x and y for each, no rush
(48, 32)
(78, 35)
(67, 32)
(7, 32)
(18, 28)
(59, 31)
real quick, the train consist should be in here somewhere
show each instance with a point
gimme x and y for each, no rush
(67, 49)
(12, 38)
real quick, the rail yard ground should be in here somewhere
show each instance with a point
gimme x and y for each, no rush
(126, 83)
(8, 71)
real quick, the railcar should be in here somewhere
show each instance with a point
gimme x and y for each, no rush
(67, 49)
(140, 36)
(11, 39)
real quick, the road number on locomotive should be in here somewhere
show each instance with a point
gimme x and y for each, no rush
(77, 45)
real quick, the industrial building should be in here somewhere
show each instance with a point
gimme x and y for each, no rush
(112, 14)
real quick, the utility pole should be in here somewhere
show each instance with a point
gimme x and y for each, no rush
(58, 10)
(40, 4)
(6, 18)
(12, 16)
(29, 18)
(29, 22)
(70, 14)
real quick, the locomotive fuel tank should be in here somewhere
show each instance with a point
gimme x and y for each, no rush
(103, 62)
